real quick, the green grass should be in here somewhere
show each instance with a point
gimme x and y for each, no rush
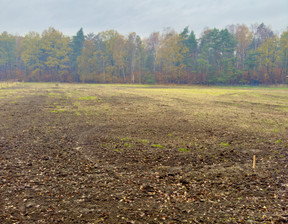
(279, 140)
(124, 139)
(88, 98)
(224, 144)
(57, 111)
(183, 150)
(157, 146)
(144, 141)
(54, 95)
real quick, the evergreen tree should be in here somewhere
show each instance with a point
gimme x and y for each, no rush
(76, 46)
(217, 49)
(7, 55)
(190, 42)
(33, 57)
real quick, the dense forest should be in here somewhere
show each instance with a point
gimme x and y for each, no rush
(235, 55)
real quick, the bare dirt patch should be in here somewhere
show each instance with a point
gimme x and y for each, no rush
(134, 154)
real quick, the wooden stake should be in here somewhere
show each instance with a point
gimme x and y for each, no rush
(254, 161)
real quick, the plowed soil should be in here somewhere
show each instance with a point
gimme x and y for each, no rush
(143, 154)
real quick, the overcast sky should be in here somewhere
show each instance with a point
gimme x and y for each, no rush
(140, 16)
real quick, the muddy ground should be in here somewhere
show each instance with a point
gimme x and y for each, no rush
(121, 154)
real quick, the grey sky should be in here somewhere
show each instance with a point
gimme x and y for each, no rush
(140, 16)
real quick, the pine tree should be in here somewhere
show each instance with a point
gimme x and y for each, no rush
(76, 46)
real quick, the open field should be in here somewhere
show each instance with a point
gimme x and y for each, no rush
(74, 153)
(4, 85)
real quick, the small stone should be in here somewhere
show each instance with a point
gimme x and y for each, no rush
(29, 204)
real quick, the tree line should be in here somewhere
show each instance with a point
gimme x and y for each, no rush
(235, 55)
